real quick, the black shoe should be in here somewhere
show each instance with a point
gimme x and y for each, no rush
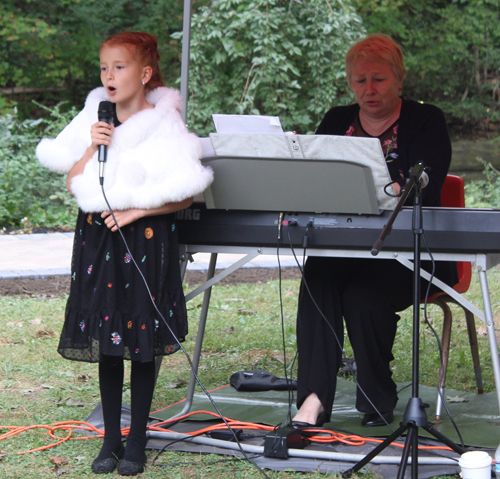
(105, 466)
(306, 425)
(129, 468)
(374, 419)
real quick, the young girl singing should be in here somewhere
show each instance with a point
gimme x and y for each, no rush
(152, 170)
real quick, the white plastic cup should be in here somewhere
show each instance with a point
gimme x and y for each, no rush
(475, 465)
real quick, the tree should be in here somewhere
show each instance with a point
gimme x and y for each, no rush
(268, 57)
(451, 51)
(51, 48)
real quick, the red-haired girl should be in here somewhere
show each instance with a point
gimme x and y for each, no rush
(152, 170)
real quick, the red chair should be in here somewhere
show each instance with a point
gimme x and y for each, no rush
(453, 196)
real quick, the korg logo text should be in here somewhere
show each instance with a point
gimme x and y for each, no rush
(188, 214)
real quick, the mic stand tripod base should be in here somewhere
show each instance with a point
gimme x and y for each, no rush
(415, 413)
(413, 418)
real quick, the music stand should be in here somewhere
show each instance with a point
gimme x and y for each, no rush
(414, 415)
(279, 184)
(300, 173)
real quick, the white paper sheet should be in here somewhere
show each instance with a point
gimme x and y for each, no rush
(254, 124)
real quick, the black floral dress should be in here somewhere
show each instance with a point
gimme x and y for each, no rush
(109, 310)
(388, 141)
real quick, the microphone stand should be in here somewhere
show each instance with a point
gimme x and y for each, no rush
(414, 415)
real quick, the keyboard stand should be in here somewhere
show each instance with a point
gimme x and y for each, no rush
(482, 262)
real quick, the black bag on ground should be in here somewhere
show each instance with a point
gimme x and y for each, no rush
(259, 380)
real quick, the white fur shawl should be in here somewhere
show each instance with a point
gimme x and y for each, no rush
(152, 159)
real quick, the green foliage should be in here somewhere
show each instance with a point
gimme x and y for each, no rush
(255, 55)
(266, 57)
(50, 50)
(451, 51)
(484, 193)
(30, 194)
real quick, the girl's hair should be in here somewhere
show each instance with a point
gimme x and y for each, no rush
(377, 48)
(144, 48)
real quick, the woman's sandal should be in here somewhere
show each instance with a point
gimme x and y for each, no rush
(306, 425)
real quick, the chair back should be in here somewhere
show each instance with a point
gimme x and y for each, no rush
(453, 196)
(453, 192)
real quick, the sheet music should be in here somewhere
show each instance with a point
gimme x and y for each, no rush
(250, 124)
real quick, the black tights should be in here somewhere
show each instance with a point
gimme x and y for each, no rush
(142, 384)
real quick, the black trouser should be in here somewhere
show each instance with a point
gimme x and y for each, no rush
(367, 294)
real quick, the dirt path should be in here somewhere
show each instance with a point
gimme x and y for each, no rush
(59, 285)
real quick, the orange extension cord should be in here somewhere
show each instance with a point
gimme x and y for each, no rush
(314, 434)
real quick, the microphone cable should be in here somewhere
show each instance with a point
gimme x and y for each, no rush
(304, 282)
(438, 341)
(191, 365)
(342, 349)
(288, 381)
(290, 390)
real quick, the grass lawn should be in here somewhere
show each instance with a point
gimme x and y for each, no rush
(244, 330)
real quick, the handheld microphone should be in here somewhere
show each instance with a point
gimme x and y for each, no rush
(105, 114)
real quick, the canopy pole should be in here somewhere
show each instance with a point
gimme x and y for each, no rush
(186, 39)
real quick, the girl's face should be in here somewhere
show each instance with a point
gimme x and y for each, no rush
(122, 75)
